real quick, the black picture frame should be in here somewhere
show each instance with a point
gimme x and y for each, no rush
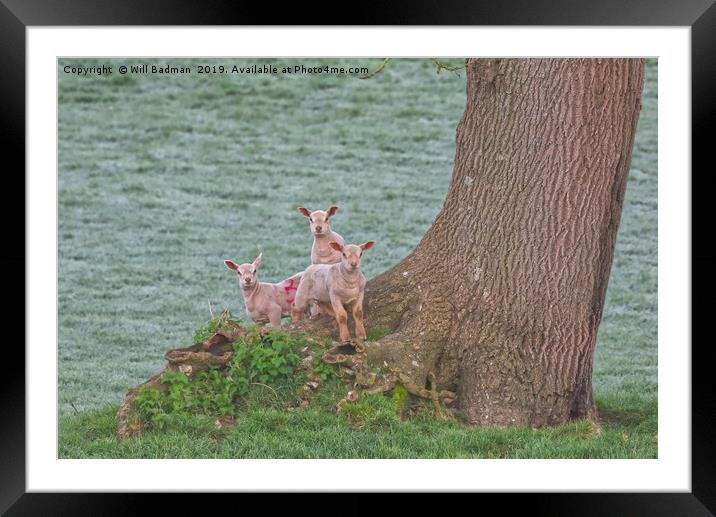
(17, 15)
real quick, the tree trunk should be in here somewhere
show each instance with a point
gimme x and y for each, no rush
(502, 298)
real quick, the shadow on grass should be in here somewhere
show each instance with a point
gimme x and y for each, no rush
(627, 411)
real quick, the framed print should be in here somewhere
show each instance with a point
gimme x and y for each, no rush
(274, 259)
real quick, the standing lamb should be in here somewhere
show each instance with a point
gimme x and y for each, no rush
(334, 287)
(321, 252)
(264, 301)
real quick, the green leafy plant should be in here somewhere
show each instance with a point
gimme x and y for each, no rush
(400, 398)
(149, 407)
(209, 393)
(259, 358)
(324, 371)
(264, 358)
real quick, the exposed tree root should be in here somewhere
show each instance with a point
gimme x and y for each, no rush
(439, 413)
(215, 351)
(395, 377)
(358, 359)
(350, 397)
(127, 424)
(371, 384)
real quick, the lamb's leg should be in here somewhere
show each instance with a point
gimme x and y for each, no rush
(315, 310)
(295, 314)
(275, 315)
(342, 319)
(358, 317)
(299, 305)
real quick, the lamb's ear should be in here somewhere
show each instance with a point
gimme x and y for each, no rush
(257, 261)
(304, 211)
(231, 265)
(335, 246)
(367, 245)
(332, 211)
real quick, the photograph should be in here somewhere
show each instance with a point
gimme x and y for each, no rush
(357, 258)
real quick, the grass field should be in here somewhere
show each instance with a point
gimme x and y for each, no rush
(162, 177)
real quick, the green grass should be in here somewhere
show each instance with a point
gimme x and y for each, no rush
(370, 428)
(318, 433)
(161, 178)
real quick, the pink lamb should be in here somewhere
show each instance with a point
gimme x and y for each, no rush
(334, 287)
(321, 251)
(265, 302)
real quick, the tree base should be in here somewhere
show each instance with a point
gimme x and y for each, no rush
(372, 367)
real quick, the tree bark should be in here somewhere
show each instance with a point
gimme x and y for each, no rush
(502, 298)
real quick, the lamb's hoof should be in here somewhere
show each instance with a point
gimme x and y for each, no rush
(359, 346)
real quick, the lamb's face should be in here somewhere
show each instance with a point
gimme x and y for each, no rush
(351, 257)
(319, 220)
(351, 254)
(320, 225)
(247, 275)
(246, 272)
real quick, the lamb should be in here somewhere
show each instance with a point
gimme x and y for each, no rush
(321, 251)
(335, 286)
(264, 301)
